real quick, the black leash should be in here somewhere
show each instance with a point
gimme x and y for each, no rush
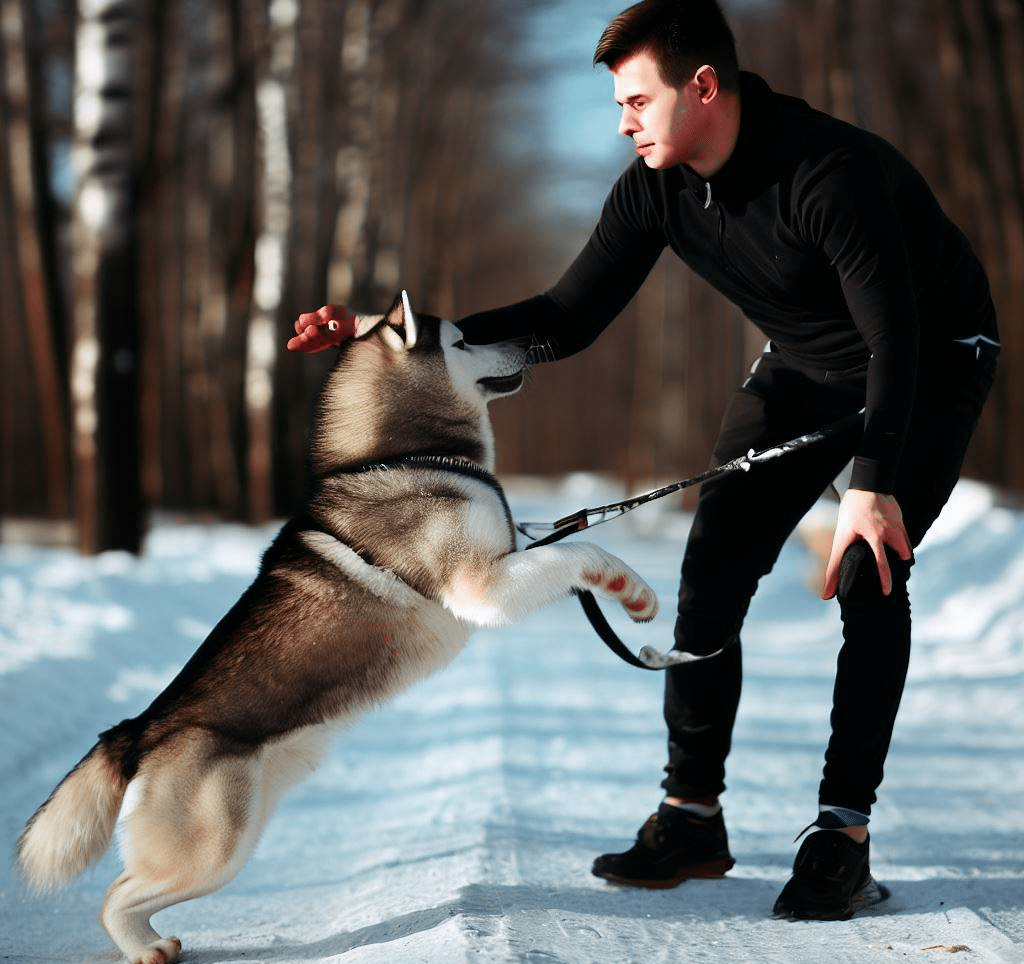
(649, 657)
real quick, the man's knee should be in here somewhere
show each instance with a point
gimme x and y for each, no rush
(859, 580)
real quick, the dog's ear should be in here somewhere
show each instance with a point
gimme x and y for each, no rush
(367, 323)
(411, 324)
(402, 330)
(399, 324)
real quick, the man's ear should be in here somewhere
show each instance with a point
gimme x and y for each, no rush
(705, 79)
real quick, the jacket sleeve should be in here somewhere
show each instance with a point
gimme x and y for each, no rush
(848, 211)
(596, 287)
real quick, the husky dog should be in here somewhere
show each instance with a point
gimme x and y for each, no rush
(405, 545)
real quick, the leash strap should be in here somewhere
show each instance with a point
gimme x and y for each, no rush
(585, 518)
(650, 658)
(608, 635)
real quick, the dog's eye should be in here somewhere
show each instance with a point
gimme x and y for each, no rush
(460, 345)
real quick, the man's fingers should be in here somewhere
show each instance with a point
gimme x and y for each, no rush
(905, 549)
(311, 339)
(306, 319)
(302, 342)
(884, 575)
(828, 590)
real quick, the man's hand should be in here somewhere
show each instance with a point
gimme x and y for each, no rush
(878, 520)
(327, 327)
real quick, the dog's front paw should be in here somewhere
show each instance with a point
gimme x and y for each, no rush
(617, 581)
(167, 951)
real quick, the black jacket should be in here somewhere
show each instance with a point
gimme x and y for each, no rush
(823, 234)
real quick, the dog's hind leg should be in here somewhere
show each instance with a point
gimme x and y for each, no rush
(191, 819)
(191, 822)
(125, 917)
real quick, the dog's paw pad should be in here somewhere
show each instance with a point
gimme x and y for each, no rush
(617, 583)
(642, 608)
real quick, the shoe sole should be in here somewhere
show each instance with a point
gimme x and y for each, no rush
(868, 894)
(709, 870)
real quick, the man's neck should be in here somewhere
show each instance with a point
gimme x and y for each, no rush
(723, 133)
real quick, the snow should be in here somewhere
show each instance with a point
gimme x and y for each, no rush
(458, 823)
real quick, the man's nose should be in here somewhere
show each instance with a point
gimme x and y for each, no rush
(627, 123)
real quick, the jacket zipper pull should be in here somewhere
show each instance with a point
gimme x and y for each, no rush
(707, 200)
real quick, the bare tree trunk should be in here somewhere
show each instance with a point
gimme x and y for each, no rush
(28, 170)
(104, 380)
(238, 230)
(165, 460)
(208, 170)
(392, 75)
(1001, 65)
(317, 110)
(349, 260)
(274, 218)
(985, 167)
(196, 287)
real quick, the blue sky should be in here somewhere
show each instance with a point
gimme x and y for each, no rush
(575, 112)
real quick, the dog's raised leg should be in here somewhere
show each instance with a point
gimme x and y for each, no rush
(515, 585)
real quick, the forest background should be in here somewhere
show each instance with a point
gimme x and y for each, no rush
(180, 178)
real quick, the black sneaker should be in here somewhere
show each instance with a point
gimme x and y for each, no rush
(831, 879)
(670, 847)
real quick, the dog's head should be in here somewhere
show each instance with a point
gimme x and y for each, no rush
(407, 384)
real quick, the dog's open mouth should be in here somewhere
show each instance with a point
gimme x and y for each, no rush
(502, 384)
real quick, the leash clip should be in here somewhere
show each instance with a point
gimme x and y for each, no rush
(576, 522)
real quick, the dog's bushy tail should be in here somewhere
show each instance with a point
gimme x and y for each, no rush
(73, 828)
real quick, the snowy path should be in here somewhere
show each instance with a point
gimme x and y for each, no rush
(459, 823)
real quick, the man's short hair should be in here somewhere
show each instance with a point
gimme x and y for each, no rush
(681, 36)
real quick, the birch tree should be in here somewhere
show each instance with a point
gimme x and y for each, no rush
(271, 255)
(104, 388)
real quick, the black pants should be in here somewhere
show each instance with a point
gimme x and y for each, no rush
(740, 525)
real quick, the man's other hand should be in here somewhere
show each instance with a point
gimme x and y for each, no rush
(878, 520)
(327, 327)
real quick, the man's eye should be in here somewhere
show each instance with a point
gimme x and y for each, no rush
(460, 345)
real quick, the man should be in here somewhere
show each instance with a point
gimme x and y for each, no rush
(834, 246)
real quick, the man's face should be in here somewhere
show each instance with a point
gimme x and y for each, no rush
(664, 122)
